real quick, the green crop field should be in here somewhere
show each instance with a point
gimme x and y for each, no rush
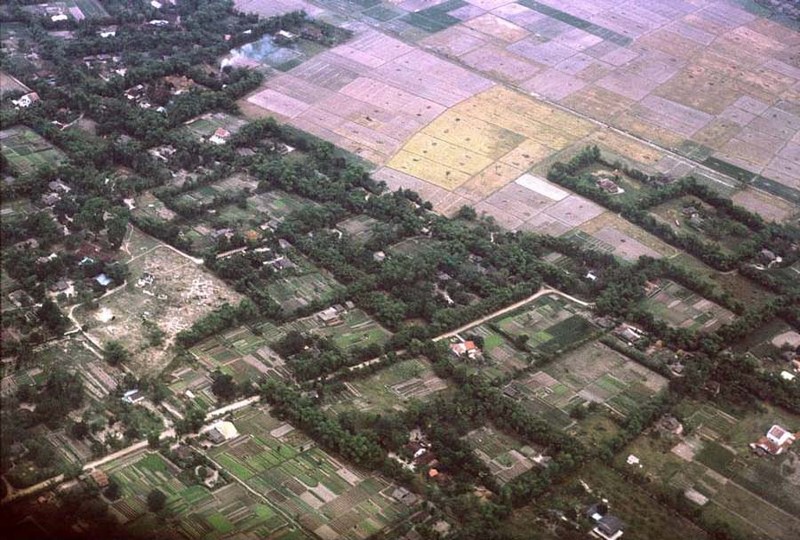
(195, 510)
(285, 466)
(591, 373)
(680, 307)
(294, 292)
(389, 389)
(27, 151)
(547, 325)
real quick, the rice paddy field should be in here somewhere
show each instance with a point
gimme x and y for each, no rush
(680, 307)
(457, 100)
(26, 151)
(390, 389)
(714, 465)
(326, 497)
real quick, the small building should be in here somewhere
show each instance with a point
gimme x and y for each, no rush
(26, 101)
(222, 431)
(282, 37)
(465, 348)
(329, 316)
(629, 333)
(49, 199)
(103, 279)
(609, 528)
(100, 478)
(403, 495)
(379, 256)
(58, 185)
(607, 185)
(59, 286)
(591, 276)
(133, 396)
(59, 18)
(282, 263)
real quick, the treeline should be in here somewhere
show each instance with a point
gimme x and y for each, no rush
(224, 317)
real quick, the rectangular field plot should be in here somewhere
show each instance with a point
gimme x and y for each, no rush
(461, 147)
(680, 307)
(294, 292)
(206, 125)
(351, 328)
(277, 204)
(631, 503)
(26, 150)
(546, 325)
(357, 329)
(498, 355)
(390, 389)
(504, 455)
(770, 341)
(359, 227)
(196, 511)
(591, 374)
(325, 496)
(241, 354)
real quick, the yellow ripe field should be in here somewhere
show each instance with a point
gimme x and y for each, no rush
(487, 141)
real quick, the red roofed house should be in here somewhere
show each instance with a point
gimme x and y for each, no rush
(776, 442)
(220, 136)
(467, 348)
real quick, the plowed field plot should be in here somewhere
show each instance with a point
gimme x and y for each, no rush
(325, 496)
(682, 308)
(626, 240)
(464, 141)
(368, 95)
(390, 389)
(506, 457)
(591, 374)
(26, 151)
(196, 511)
(165, 288)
